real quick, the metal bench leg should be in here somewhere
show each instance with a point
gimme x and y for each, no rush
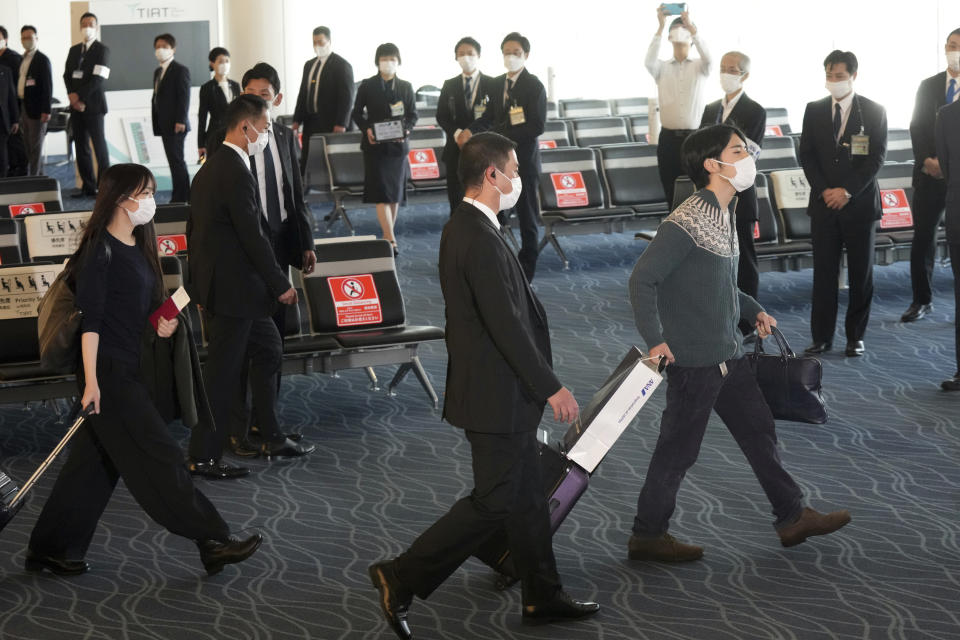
(400, 375)
(425, 381)
(374, 383)
(556, 245)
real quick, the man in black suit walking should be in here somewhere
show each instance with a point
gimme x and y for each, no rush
(517, 109)
(169, 110)
(842, 147)
(929, 188)
(736, 108)
(499, 378)
(947, 136)
(86, 69)
(35, 90)
(234, 276)
(326, 93)
(463, 99)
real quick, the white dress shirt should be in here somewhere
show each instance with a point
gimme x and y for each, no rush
(262, 176)
(163, 71)
(22, 82)
(315, 73)
(946, 86)
(487, 211)
(680, 85)
(728, 106)
(243, 154)
(845, 105)
(225, 89)
(475, 79)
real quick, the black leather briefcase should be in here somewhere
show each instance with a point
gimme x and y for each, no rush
(791, 384)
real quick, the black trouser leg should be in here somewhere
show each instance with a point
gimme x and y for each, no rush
(454, 188)
(827, 254)
(508, 493)
(668, 161)
(748, 271)
(4, 160)
(858, 237)
(98, 137)
(173, 148)
(528, 215)
(928, 202)
(16, 154)
(81, 150)
(955, 266)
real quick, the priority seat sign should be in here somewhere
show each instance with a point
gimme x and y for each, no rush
(355, 300)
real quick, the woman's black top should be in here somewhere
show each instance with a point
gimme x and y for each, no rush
(114, 290)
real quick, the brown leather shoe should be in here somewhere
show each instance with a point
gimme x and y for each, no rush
(812, 523)
(665, 548)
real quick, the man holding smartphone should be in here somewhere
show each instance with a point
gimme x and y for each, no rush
(680, 85)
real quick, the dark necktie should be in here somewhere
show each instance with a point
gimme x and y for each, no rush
(509, 99)
(467, 91)
(720, 114)
(837, 120)
(315, 84)
(952, 91)
(273, 194)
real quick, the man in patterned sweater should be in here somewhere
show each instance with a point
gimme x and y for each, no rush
(687, 306)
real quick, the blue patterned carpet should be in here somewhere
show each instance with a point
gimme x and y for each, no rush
(386, 467)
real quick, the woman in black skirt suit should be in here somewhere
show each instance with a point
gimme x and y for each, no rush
(116, 275)
(382, 97)
(215, 95)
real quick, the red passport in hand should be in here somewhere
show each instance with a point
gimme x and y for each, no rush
(170, 307)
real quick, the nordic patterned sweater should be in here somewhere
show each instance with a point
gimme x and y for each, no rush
(684, 286)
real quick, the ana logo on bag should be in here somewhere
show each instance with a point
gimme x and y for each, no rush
(646, 388)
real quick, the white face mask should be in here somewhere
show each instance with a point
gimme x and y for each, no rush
(88, 33)
(3, 43)
(163, 53)
(145, 210)
(258, 145)
(388, 67)
(513, 63)
(953, 60)
(29, 44)
(746, 173)
(509, 200)
(839, 89)
(680, 34)
(223, 68)
(730, 82)
(324, 51)
(467, 63)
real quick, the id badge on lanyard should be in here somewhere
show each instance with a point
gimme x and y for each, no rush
(516, 115)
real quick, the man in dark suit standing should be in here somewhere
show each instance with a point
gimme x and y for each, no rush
(463, 99)
(16, 154)
(736, 108)
(929, 188)
(499, 378)
(235, 278)
(326, 93)
(35, 90)
(9, 115)
(842, 147)
(86, 69)
(947, 136)
(517, 109)
(169, 110)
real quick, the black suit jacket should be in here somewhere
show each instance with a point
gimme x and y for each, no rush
(90, 85)
(334, 98)
(299, 231)
(38, 86)
(827, 164)
(454, 113)
(931, 95)
(947, 136)
(528, 92)
(213, 104)
(9, 111)
(499, 373)
(233, 270)
(171, 99)
(12, 60)
(751, 118)
(373, 106)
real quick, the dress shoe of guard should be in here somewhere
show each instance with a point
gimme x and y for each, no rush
(951, 384)
(812, 523)
(915, 312)
(561, 607)
(255, 432)
(286, 449)
(215, 554)
(664, 548)
(243, 448)
(216, 469)
(394, 599)
(855, 349)
(818, 347)
(59, 566)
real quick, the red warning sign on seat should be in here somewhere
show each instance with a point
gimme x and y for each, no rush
(548, 144)
(773, 130)
(570, 189)
(20, 209)
(171, 245)
(423, 164)
(896, 209)
(355, 300)
(756, 230)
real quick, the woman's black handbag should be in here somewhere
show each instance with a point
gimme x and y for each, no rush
(58, 328)
(790, 384)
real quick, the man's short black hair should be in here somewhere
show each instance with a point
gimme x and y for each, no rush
(246, 106)
(841, 57)
(513, 36)
(955, 32)
(262, 71)
(708, 142)
(28, 27)
(216, 52)
(87, 14)
(481, 151)
(3, 31)
(678, 22)
(467, 40)
(168, 38)
(386, 50)
(325, 31)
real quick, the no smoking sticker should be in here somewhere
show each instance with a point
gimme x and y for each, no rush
(423, 164)
(570, 189)
(355, 300)
(896, 209)
(171, 245)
